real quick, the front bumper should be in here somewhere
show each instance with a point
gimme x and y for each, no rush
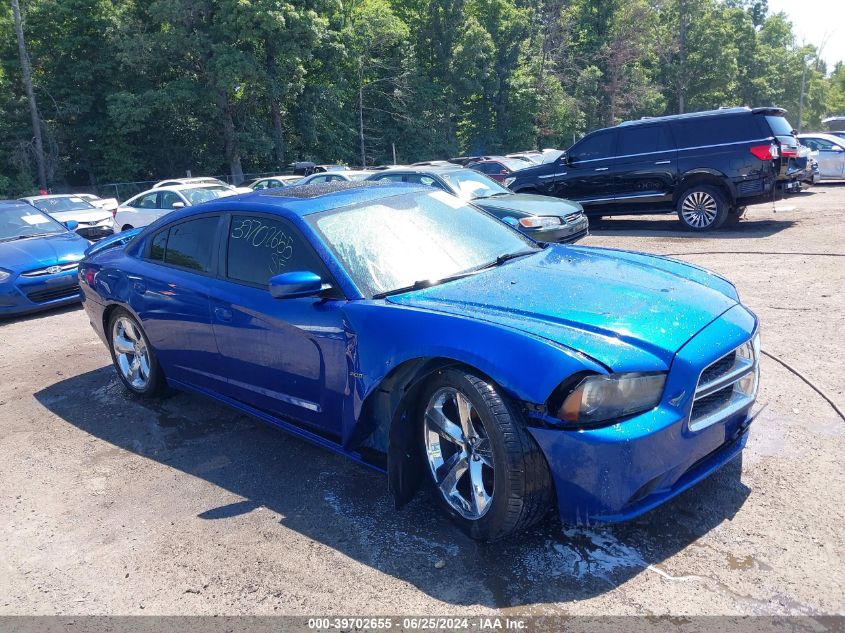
(22, 295)
(93, 231)
(562, 234)
(618, 472)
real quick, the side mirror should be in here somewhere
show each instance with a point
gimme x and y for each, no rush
(177, 205)
(512, 221)
(567, 159)
(71, 225)
(300, 283)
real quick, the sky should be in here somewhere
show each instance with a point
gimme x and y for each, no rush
(817, 22)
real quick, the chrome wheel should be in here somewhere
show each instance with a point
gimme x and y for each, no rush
(131, 354)
(459, 453)
(699, 209)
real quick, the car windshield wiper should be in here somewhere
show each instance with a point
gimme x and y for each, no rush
(506, 257)
(427, 283)
(21, 237)
(493, 195)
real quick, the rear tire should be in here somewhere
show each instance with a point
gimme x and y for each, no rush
(485, 469)
(702, 208)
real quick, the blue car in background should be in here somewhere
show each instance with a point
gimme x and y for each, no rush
(416, 334)
(39, 259)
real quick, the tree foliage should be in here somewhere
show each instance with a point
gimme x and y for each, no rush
(132, 90)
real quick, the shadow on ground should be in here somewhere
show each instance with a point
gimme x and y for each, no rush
(668, 226)
(43, 314)
(347, 507)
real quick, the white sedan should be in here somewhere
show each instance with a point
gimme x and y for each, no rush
(149, 206)
(92, 223)
(332, 176)
(831, 153)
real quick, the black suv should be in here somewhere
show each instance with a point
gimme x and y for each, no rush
(705, 165)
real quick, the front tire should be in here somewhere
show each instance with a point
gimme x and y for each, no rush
(702, 208)
(486, 471)
(133, 356)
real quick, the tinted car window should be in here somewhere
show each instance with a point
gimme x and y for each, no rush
(158, 246)
(261, 247)
(644, 139)
(169, 198)
(392, 178)
(717, 130)
(422, 179)
(817, 143)
(594, 147)
(488, 168)
(780, 126)
(146, 202)
(187, 244)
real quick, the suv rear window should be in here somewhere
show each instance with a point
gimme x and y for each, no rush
(780, 126)
(717, 130)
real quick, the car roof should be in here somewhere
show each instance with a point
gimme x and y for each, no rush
(303, 200)
(52, 196)
(422, 169)
(703, 114)
(824, 135)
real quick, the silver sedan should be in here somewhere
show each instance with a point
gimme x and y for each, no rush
(831, 153)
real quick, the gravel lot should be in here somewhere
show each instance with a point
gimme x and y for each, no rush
(114, 506)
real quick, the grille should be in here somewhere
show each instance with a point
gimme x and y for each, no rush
(750, 186)
(40, 272)
(719, 368)
(721, 391)
(572, 217)
(95, 232)
(51, 294)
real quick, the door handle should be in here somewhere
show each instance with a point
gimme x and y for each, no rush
(602, 168)
(663, 162)
(224, 314)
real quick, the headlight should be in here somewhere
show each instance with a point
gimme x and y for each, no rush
(600, 398)
(509, 181)
(539, 222)
(4, 275)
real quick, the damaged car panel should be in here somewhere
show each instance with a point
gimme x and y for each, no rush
(444, 348)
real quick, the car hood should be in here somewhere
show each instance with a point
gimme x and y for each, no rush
(525, 204)
(81, 215)
(628, 311)
(39, 252)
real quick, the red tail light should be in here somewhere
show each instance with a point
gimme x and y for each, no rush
(788, 152)
(88, 274)
(765, 152)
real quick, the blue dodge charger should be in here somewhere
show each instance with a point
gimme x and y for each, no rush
(416, 334)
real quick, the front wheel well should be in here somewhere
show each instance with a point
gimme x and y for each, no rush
(387, 420)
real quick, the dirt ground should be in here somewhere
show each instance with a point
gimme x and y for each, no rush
(113, 506)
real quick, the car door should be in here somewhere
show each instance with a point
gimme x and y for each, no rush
(586, 172)
(831, 156)
(169, 293)
(140, 211)
(284, 356)
(645, 168)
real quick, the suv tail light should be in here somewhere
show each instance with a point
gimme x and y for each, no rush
(766, 152)
(789, 152)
